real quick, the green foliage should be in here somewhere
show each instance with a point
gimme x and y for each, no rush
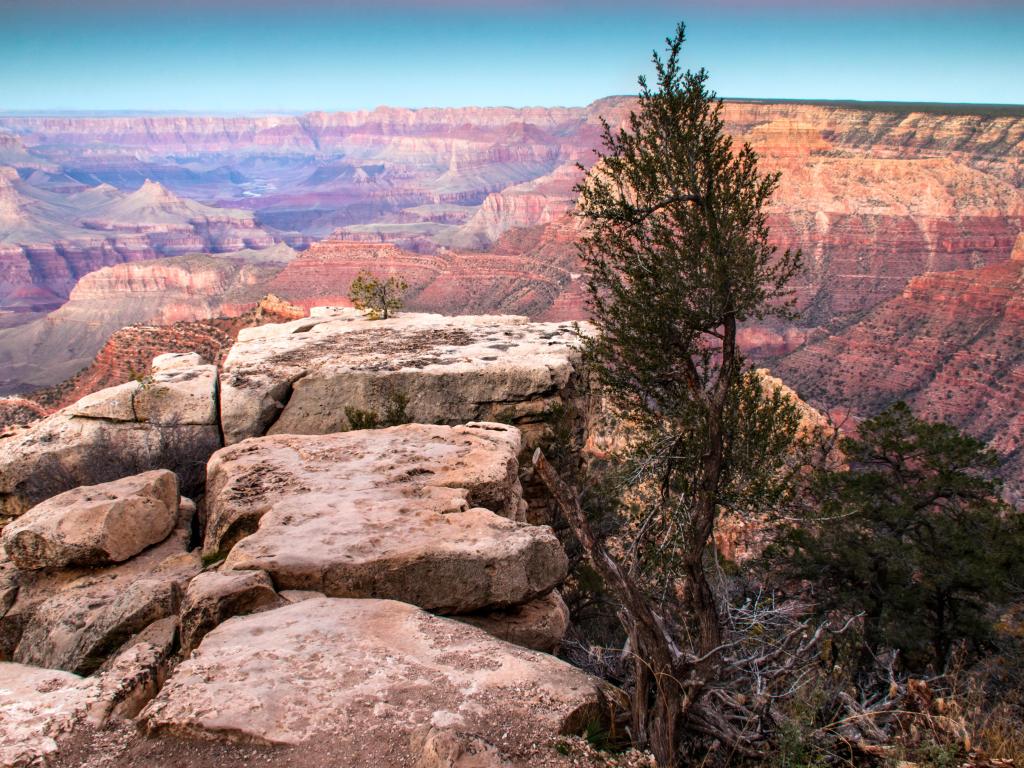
(914, 535)
(212, 559)
(677, 254)
(379, 298)
(395, 412)
(360, 419)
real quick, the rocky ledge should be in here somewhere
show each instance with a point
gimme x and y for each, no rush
(166, 420)
(372, 597)
(313, 628)
(377, 682)
(311, 376)
(428, 516)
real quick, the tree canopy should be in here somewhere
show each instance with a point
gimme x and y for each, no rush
(378, 297)
(913, 534)
(676, 252)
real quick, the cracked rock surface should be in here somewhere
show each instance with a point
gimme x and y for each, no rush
(300, 377)
(380, 678)
(429, 515)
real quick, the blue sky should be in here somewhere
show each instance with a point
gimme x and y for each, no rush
(235, 56)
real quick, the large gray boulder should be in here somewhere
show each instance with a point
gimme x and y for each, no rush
(95, 524)
(377, 681)
(301, 377)
(420, 513)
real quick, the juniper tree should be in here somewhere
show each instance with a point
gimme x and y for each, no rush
(915, 537)
(677, 256)
(379, 298)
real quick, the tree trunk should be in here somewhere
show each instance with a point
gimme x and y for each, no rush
(703, 607)
(659, 694)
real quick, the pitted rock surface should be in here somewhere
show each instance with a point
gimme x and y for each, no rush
(382, 678)
(37, 707)
(42, 709)
(300, 377)
(420, 513)
(95, 524)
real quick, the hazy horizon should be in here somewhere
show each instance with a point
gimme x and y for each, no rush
(896, 106)
(229, 57)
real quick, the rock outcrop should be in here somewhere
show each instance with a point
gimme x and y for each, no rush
(75, 618)
(302, 377)
(374, 680)
(95, 524)
(539, 624)
(40, 708)
(215, 596)
(37, 707)
(285, 632)
(158, 293)
(168, 420)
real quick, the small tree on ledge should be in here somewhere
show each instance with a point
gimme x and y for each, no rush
(378, 298)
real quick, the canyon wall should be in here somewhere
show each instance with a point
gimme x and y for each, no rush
(49, 239)
(906, 215)
(873, 194)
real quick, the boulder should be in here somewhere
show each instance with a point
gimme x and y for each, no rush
(539, 624)
(172, 395)
(66, 450)
(75, 619)
(376, 680)
(129, 680)
(418, 513)
(176, 361)
(42, 708)
(95, 524)
(37, 707)
(307, 376)
(215, 596)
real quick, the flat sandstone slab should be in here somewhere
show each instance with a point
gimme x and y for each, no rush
(420, 513)
(300, 377)
(382, 680)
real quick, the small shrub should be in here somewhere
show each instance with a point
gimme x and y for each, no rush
(360, 419)
(395, 412)
(377, 297)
